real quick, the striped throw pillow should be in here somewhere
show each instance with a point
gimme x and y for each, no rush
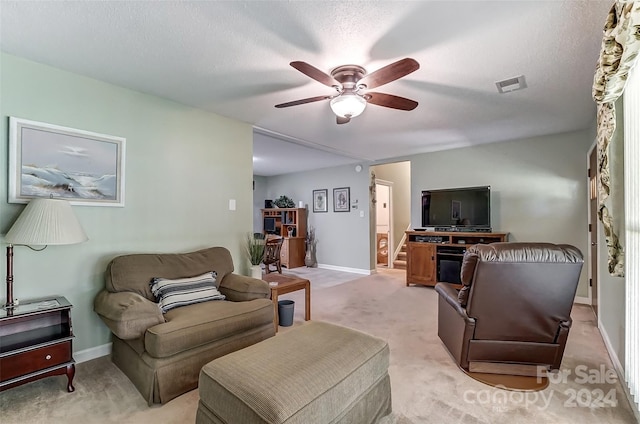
(185, 291)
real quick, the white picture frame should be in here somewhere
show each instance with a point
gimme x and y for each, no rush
(83, 167)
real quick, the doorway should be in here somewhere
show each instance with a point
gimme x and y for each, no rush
(395, 217)
(384, 211)
(593, 227)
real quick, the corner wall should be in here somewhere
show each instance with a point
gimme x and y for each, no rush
(182, 167)
(539, 193)
(343, 237)
(538, 186)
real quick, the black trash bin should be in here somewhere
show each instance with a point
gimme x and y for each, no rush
(285, 312)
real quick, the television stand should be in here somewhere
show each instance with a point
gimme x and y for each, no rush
(436, 256)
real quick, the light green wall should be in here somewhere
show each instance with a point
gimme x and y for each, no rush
(182, 167)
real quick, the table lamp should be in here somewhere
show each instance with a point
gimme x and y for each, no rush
(43, 222)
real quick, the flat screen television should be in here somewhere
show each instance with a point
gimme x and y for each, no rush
(466, 208)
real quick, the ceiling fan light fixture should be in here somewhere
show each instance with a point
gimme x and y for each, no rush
(348, 105)
(349, 80)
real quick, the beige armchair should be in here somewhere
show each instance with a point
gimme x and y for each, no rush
(162, 354)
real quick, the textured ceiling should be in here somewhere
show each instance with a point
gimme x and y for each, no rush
(232, 58)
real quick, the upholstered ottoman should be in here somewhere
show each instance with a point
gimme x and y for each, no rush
(314, 374)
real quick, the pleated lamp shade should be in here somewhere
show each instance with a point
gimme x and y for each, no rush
(44, 222)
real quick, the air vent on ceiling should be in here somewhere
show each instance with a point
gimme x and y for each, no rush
(511, 84)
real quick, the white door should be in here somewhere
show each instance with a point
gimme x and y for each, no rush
(384, 251)
(593, 229)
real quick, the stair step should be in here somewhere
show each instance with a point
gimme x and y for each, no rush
(399, 264)
(401, 259)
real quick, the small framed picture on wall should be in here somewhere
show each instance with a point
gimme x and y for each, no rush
(341, 201)
(320, 200)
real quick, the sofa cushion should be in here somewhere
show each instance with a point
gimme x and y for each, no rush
(196, 325)
(185, 291)
(133, 272)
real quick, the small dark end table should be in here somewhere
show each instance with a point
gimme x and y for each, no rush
(35, 342)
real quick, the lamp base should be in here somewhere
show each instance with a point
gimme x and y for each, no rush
(10, 302)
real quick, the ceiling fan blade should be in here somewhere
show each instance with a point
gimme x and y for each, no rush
(316, 74)
(341, 120)
(389, 100)
(389, 73)
(303, 101)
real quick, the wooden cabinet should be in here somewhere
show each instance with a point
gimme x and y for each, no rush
(292, 252)
(421, 264)
(35, 342)
(290, 223)
(434, 257)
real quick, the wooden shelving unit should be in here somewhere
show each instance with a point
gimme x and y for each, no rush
(290, 223)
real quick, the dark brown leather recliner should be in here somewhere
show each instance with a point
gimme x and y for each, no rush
(512, 314)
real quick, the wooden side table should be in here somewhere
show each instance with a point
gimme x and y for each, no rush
(282, 284)
(35, 342)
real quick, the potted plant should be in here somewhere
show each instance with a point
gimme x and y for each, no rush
(255, 251)
(284, 202)
(310, 257)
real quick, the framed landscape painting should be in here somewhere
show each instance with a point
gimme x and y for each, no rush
(48, 160)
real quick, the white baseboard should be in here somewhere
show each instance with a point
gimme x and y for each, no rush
(582, 300)
(346, 269)
(92, 353)
(612, 353)
(617, 365)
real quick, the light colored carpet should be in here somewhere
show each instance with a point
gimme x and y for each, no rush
(321, 278)
(427, 387)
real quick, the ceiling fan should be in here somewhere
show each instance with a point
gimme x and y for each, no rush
(351, 83)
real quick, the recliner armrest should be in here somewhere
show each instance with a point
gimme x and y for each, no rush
(450, 294)
(127, 314)
(239, 288)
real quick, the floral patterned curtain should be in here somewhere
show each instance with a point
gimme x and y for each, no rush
(619, 53)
